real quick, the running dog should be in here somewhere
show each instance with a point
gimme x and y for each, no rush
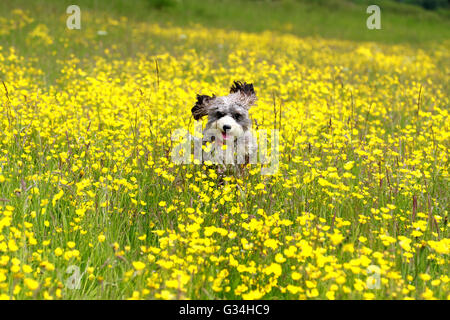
(228, 125)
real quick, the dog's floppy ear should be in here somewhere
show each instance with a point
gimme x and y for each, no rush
(201, 106)
(248, 95)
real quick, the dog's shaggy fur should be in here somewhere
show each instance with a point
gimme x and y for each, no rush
(228, 123)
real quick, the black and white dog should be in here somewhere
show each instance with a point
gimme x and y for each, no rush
(228, 125)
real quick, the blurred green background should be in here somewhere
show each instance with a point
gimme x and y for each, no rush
(401, 21)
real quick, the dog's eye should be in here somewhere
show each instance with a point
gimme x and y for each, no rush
(219, 114)
(236, 116)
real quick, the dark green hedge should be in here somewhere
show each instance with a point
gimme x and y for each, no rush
(428, 4)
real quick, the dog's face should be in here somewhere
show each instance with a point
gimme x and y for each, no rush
(228, 115)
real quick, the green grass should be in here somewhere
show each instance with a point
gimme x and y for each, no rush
(333, 19)
(323, 18)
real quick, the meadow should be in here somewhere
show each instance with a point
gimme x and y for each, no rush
(92, 206)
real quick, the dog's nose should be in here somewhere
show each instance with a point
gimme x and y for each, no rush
(226, 127)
